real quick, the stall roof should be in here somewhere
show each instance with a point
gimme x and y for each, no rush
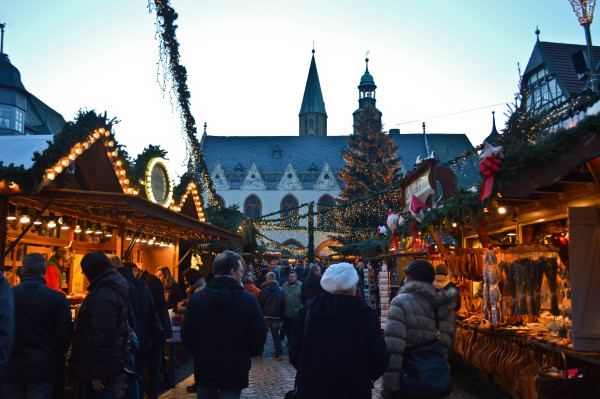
(19, 149)
(133, 211)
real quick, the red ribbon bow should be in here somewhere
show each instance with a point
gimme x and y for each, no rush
(489, 167)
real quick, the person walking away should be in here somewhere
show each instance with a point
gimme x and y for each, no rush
(337, 347)
(411, 320)
(194, 282)
(360, 287)
(173, 297)
(311, 287)
(292, 291)
(271, 301)
(7, 324)
(145, 321)
(249, 286)
(223, 326)
(442, 282)
(101, 342)
(159, 333)
(43, 331)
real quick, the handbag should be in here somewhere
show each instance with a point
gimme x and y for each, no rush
(425, 373)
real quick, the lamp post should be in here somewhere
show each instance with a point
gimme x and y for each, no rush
(584, 10)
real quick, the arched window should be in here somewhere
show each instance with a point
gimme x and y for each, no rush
(308, 182)
(325, 220)
(289, 206)
(252, 207)
(235, 183)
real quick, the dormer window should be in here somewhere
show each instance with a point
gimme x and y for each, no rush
(313, 168)
(276, 151)
(12, 118)
(239, 167)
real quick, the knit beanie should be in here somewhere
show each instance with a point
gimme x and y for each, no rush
(339, 278)
(442, 268)
(420, 270)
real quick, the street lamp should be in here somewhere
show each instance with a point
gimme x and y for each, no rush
(584, 10)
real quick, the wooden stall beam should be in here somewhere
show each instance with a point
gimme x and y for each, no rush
(3, 229)
(483, 234)
(438, 241)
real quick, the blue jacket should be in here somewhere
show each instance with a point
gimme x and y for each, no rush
(7, 321)
(43, 330)
(271, 300)
(224, 327)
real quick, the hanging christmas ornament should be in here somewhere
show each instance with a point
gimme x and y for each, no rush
(381, 230)
(392, 220)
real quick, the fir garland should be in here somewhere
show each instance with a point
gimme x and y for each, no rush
(169, 54)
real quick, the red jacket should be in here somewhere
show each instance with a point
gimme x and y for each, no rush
(251, 288)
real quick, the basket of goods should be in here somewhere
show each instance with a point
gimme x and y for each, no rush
(552, 382)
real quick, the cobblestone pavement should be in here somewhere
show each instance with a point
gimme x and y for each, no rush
(268, 378)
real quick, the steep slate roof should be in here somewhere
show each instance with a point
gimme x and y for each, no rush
(557, 57)
(306, 150)
(312, 102)
(10, 77)
(41, 118)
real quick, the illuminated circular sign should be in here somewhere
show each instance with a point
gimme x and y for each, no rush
(159, 188)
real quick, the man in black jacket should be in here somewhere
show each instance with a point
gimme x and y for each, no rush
(43, 331)
(311, 287)
(271, 301)
(101, 340)
(223, 326)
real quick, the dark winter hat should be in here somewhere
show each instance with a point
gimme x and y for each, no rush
(442, 268)
(420, 270)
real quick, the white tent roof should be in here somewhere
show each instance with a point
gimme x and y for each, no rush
(19, 149)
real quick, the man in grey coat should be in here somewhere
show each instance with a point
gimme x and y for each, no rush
(292, 292)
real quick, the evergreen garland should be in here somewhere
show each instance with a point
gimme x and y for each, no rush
(169, 54)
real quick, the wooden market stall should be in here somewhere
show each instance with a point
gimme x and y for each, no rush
(85, 202)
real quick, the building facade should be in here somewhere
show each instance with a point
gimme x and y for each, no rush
(267, 174)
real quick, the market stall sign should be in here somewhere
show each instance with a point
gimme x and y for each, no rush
(159, 188)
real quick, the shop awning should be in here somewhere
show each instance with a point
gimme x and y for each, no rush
(132, 211)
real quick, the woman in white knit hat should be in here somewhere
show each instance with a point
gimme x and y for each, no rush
(337, 347)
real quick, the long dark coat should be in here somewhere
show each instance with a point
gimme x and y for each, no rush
(341, 351)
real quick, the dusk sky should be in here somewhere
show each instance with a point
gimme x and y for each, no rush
(247, 61)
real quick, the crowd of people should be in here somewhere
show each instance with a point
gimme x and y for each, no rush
(118, 345)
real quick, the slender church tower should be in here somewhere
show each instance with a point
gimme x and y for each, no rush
(313, 117)
(366, 93)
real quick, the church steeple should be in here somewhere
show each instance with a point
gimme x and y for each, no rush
(312, 116)
(366, 91)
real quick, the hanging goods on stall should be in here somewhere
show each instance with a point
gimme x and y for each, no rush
(425, 372)
(491, 292)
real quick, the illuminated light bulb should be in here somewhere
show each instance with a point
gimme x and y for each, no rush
(144, 239)
(137, 240)
(135, 192)
(129, 190)
(122, 172)
(77, 150)
(77, 229)
(101, 130)
(72, 157)
(171, 244)
(128, 238)
(52, 224)
(64, 162)
(126, 181)
(96, 135)
(98, 232)
(64, 227)
(114, 153)
(85, 145)
(454, 224)
(118, 163)
(58, 169)
(88, 231)
(24, 219)
(502, 210)
(37, 222)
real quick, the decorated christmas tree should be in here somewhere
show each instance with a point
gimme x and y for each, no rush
(372, 166)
